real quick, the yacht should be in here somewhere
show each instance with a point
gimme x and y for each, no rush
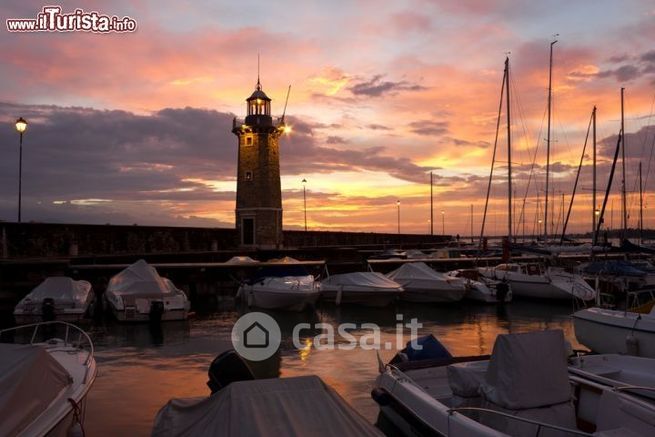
(534, 280)
(360, 288)
(482, 289)
(422, 284)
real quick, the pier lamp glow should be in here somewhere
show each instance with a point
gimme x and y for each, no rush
(286, 129)
(21, 127)
(398, 205)
(304, 199)
(443, 222)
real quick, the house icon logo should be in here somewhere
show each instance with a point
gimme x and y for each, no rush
(256, 336)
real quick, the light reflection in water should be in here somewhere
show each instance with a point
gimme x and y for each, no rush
(141, 368)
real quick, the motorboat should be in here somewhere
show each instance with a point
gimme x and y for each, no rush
(44, 380)
(611, 331)
(534, 280)
(482, 289)
(139, 294)
(360, 288)
(614, 277)
(285, 287)
(422, 284)
(241, 405)
(56, 298)
(525, 388)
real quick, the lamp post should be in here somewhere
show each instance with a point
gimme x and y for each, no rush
(21, 126)
(443, 222)
(304, 199)
(398, 205)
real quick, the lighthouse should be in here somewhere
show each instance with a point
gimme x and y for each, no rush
(259, 195)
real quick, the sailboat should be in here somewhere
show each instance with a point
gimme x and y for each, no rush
(534, 280)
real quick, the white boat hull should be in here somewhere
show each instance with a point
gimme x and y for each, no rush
(132, 314)
(427, 295)
(554, 286)
(356, 296)
(71, 316)
(290, 300)
(615, 332)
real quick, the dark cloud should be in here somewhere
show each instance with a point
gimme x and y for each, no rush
(427, 127)
(333, 139)
(375, 126)
(376, 87)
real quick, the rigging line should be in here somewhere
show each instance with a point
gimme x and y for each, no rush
(575, 186)
(526, 136)
(493, 161)
(534, 163)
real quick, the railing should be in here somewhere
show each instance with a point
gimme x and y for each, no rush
(537, 423)
(81, 335)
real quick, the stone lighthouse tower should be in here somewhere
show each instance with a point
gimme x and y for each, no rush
(259, 196)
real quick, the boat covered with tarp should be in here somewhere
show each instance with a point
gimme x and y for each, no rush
(423, 284)
(360, 288)
(299, 406)
(139, 293)
(56, 298)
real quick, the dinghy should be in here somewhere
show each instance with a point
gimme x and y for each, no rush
(360, 288)
(285, 287)
(610, 331)
(422, 284)
(524, 388)
(139, 294)
(44, 382)
(56, 298)
(534, 280)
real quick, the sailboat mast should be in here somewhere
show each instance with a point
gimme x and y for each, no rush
(593, 209)
(472, 224)
(623, 196)
(550, 100)
(431, 207)
(641, 207)
(509, 154)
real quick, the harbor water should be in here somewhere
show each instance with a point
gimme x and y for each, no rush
(141, 367)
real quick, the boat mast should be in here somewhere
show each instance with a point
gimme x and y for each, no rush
(509, 154)
(431, 207)
(593, 209)
(550, 97)
(623, 196)
(472, 241)
(641, 208)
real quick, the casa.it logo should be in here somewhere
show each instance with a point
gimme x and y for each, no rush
(51, 19)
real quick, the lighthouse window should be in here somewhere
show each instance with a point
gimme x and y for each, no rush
(248, 141)
(248, 175)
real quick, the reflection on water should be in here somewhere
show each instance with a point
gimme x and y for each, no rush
(141, 367)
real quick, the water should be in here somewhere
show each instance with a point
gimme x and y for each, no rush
(140, 368)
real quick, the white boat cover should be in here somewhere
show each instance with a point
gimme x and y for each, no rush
(30, 379)
(420, 275)
(284, 260)
(63, 290)
(300, 406)
(140, 280)
(238, 260)
(362, 279)
(527, 370)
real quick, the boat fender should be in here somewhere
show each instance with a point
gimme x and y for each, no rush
(338, 298)
(381, 396)
(632, 345)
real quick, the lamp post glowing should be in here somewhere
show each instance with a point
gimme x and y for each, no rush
(443, 222)
(304, 198)
(398, 205)
(21, 126)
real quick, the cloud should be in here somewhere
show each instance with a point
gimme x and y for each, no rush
(376, 87)
(333, 139)
(427, 127)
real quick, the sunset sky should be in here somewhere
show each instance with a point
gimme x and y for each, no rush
(135, 127)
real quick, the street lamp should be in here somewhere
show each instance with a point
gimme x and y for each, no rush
(304, 198)
(398, 205)
(443, 222)
(21, 126)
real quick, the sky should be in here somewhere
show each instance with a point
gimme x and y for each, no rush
(135, 128)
